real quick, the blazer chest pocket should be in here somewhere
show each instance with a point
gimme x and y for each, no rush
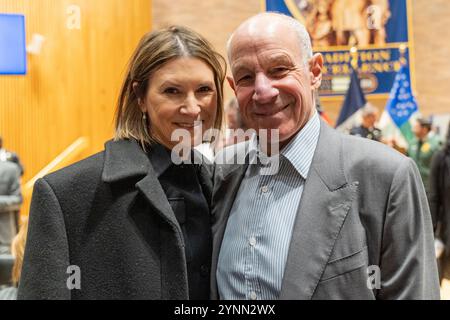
(345, 265)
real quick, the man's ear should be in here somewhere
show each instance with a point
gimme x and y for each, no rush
(231, 83)
(136, 92)
(315, 68)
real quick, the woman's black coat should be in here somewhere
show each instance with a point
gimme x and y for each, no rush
(105, 225)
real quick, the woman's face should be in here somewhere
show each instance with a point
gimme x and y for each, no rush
(181, 95)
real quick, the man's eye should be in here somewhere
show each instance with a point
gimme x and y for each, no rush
(279, 70)
(171, 90)
(244, 78)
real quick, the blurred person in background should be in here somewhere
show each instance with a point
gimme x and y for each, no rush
(233, 116)
(128, 222)
(6, 155)
(10, 200)
(439, 199)
(422, 148)
(367, 128)
(234, 122)
(17, 251)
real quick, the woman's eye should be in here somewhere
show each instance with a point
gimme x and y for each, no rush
(205, 89)
(171, 90)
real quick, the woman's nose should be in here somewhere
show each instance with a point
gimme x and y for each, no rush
(191, 106)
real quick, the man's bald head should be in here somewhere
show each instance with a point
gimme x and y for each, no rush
(271, 24)
(274, 75)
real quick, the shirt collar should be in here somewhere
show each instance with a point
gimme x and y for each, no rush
(159, 158)
(300, 150)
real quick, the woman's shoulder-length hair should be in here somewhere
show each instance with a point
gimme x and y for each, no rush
(154, 50)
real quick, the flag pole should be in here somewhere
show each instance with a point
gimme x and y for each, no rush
(402, 51)
(354, 58)
(354, 98)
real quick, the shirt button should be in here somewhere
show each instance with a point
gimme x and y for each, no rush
(253, 295)
(265, 189)
(252, 241)
(204, 271)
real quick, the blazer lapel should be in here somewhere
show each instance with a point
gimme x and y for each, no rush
(326, 200)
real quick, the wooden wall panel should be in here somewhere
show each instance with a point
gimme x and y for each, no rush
(71, 87)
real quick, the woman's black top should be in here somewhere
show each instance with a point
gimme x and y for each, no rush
(184, 193)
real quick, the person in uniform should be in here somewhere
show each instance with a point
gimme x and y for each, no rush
(422, 148)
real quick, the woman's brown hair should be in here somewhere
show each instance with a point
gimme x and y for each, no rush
(18, 250)
(154, 50)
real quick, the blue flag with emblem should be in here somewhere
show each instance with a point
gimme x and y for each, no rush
(402, 104)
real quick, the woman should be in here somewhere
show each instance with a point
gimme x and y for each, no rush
(128, 223)
(17, 250)
(440, 203)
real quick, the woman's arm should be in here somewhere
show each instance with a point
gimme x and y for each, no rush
(46, 259)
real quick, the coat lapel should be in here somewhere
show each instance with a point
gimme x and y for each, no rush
(206, 175)
(326, 200)
(124, 159)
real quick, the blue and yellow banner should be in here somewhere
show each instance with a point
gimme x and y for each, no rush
(378, 28)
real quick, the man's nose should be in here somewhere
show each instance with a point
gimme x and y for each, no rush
(264, 90)
(191, 106)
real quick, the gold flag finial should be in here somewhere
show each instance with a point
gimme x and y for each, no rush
(354, 57)
(402, 50)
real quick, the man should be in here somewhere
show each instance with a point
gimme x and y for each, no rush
(10, 200)
(367, 128)
(6, 155)
(343, 218)
(422, 148)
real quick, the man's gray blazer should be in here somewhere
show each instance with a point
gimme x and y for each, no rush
(363, 209)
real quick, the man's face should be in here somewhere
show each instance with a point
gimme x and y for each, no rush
(273, 86)
(369, 120)
(420, 131)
